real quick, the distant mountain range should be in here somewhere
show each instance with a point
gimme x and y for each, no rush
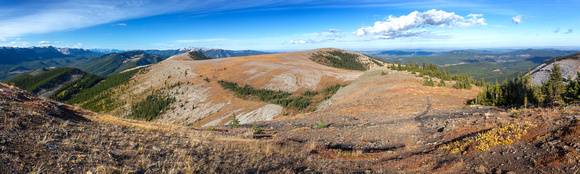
(471, 55)
(16, 61)
(13, 55)
(267, 85)
(403, 53)
(117, 62)
(211, 52)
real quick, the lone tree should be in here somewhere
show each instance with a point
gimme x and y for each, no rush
(554, 87)
(235, 122)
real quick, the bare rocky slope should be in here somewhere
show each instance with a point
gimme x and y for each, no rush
(201, 101)
(376, 124)
(568, 64)
(392, 124)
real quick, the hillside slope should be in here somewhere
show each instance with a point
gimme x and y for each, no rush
(390, 123)
(45, 82)
(202, 101)
(345, 59)
(380, 123)
(44, 136)
(492, 65)
(17, 61)
(117, 62)
(568, 64)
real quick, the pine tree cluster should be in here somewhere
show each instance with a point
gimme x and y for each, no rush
(520, 91)
(462, 80)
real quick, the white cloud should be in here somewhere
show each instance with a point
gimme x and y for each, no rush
(325, 35)
(45, 42)
(16, 44)
(403, 26)
(18, 38)
(120, 24)
(307, 41)
(78, 45)
(517, 19)
(557, 30)
(302, 41)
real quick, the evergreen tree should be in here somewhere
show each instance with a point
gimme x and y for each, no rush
(428, 82)
(480, 83)
(399, 68)
(572, 94)
(554, 87)
(441, 83)
(235, 122)
(518, 91)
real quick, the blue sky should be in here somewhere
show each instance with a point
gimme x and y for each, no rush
(289, 25)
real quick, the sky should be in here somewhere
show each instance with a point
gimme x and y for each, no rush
(279, 25)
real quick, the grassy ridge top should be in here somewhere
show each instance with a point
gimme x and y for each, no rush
(198, 55)
(117, 62)
(343, 60)
(48, 79)
(572, 56)
(90, 91)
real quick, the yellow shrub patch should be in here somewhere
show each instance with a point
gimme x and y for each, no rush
(502, 135)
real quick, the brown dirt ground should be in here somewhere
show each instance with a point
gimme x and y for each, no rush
(377, 124)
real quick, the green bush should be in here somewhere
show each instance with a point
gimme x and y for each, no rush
(256, 129)
(309, 93)
(428, 82)
(321, 125)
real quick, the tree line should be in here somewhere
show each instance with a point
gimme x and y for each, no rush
(151, 107)
(339, 59)
(520, 91)
(279, 97)
(462, 81)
